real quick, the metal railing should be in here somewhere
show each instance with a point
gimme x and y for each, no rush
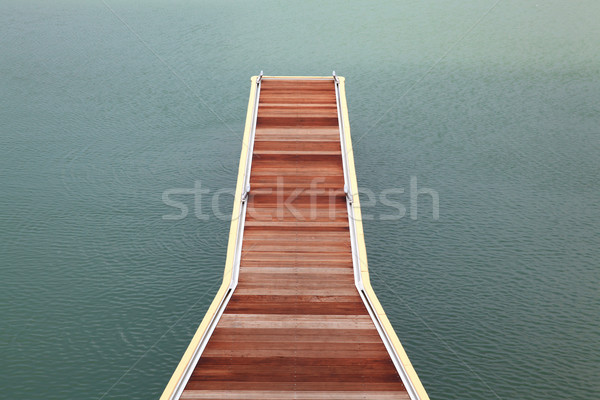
(356, 261)
(241, 219)
(246, 190)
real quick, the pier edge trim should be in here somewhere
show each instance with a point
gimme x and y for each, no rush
(194, 350)
(363, 282)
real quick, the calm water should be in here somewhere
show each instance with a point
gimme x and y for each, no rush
(99, 295)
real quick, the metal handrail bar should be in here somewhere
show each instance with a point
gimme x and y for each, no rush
(348, 189)
(237, 257)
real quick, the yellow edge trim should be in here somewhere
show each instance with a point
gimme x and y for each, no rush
(362, 253)
(227, 275)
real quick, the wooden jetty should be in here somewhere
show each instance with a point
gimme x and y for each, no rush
(296, 317)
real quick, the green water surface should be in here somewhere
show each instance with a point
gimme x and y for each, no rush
(494, 105)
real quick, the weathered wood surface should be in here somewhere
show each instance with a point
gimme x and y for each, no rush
(296, 327)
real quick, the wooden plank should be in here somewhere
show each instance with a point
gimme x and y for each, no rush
(302, 278)
(295, 85)
(247, 289)
(285, 97)
(295, 246)
(294, 133)
(296, 121)
(293, 198)
(302, 236)
(295, 354)
(276, 321)
(293, 111)
(359, 386)
(318, 164)
(249, 307)
(292, 394)
(301, 299)
(303, 362)
(356, 386)
(297, 145)
(278, 154)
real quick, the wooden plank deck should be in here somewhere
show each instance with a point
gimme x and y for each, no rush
(296, 327)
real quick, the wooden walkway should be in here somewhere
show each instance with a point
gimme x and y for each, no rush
(295, 326)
